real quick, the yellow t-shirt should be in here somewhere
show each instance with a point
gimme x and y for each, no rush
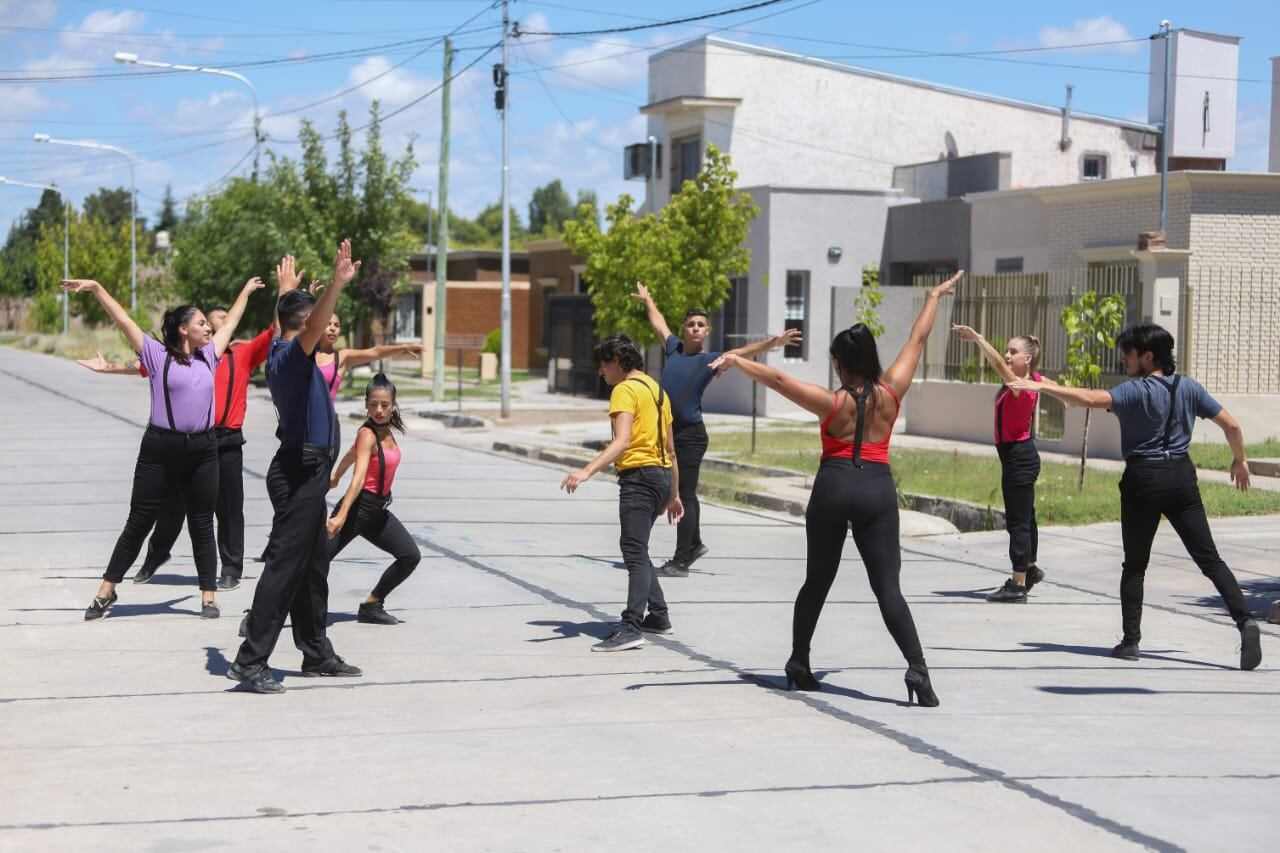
(641, 402)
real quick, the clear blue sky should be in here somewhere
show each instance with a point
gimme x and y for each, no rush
(570, 123)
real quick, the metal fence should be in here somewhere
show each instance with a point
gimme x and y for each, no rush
(1230, 336)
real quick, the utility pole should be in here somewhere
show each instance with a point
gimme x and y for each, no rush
(504, 104)
(442, 244)
(1166, 30)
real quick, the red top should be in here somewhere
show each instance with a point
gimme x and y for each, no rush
(872, 451)
(392, 455)
(231, 379)
(1014, 414)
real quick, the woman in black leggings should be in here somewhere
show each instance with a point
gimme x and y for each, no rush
(854, 486)
(179, 451)
(363, 509)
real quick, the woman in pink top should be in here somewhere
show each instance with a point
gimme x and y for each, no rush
(376, 456)
(335, 363)
(1019, 460)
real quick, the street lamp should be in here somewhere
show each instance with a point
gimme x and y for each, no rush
(66, 231)
(132, 59)
(133, 203)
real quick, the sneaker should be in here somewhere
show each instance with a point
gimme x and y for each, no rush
(244, 625)
(226, 583)
(623, 637)
(700, 551)
(1250, 645)
(98, 608)
(672, 569)
(1035, 574)
(334, 666)
(374, 613)
(1010, 593)
(1273, 615)
(259, 678)
(210, 610)
(1125, 651)
(656, 624)
(146, 573)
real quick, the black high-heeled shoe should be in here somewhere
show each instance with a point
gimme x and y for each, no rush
(919, 689)
(799, 676)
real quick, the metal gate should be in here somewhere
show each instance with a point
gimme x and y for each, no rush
(571, 321)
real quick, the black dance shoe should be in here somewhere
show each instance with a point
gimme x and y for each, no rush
(800, 677)
(1010, 593)
(259, 678)
(98, 608)
(1126, 650)
(919, 688)
(1035, 574)
(374, 613)
(1250, 645)
(334, 667)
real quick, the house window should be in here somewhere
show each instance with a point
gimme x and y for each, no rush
(1094, 167)
(686, 161)
(730, 326)
(408, 315)
(1008, 265)
(796, 315)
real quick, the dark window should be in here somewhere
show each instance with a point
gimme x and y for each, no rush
(730, 323)
(1008, 265)
(686, 161)
(797, 313)
(1094, 167)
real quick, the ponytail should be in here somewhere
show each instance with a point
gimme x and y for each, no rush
(380, 382)
(170, 327)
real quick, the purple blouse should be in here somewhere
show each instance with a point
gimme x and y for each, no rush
(189, 406)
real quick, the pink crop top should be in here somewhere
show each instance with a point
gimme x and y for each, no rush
(372, 478)
(331, 378)
(877, 451)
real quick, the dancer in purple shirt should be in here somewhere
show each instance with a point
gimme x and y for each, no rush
(178, 448)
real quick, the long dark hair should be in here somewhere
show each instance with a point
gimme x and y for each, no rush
(173, 320)
(380, 382)
(855, 350)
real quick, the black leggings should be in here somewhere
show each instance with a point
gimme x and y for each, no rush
(866, 499)
(370, 518)
(1020, 468)
(228, 510)
(691, 446)
(172, 462)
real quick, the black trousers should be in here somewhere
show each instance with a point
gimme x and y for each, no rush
(228, 510)
(643, 494)
(691, 446)
(295, 579)
(1149, 489)
(172, 463)
(1020, 468)
(865, 499)
(371, 519)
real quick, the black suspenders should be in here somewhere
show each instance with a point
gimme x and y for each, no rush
(168, 400)
(231, 384)
(860, 400)
(382, 460)
(1168, 422)
(662, 442)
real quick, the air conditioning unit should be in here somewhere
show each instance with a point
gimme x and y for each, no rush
(637, 158)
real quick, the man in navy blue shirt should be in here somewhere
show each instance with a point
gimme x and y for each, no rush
(1157, 409)
(295, 579)
(685, 376)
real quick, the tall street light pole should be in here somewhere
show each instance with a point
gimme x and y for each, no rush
(505, 366)
(1166, 30)
(132, 59)
(66, 231)
(133, 202)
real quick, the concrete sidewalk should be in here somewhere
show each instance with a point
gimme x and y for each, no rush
(485, 723)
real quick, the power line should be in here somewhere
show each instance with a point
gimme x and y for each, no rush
(666, 23)
(537, 76)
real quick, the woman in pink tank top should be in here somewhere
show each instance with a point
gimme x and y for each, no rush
(334, 363)
(364, 509)
(1014, 431)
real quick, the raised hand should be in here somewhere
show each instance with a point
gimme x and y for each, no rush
(344, 269)
(79, 285)
(965, 333)
(642, 294)
(287, 276)
(97, 364)
(789, 337)
(255, 283)
(315, 286)
(948, 287)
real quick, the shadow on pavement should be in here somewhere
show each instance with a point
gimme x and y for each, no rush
(1146, 691)
(568, 630)
(1091, 651)
(1258, 595)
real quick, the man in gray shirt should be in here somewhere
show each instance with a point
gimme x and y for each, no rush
(1157, 409)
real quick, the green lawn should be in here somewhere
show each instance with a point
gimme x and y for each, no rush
(1217, 457)
(977, 479)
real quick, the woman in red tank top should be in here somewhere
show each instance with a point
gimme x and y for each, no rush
(363, 510)
(1014, 434)
(854, 487)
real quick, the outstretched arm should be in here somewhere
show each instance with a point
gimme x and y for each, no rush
(656, 319)
(903, 370)
(98, 364)
(995, 359)
(1090, 398)
(349, 358)
(222, 337)
(785, 338)
(1235, 438)
(344, 269)
(114, 310)
(806, 395)
(621, 438)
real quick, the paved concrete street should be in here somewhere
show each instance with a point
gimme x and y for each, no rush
(484, 722)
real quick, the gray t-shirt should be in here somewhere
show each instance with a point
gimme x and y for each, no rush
(1142, 407)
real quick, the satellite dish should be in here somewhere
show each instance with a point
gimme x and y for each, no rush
(950, 141)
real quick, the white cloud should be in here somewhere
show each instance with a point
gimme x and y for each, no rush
(1103, 28)
(22, 102)
(85, 46)
(392, 87)
(28, 13)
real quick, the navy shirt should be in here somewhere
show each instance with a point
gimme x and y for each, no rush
(1142, 407)
(301, 399)
(684, 378)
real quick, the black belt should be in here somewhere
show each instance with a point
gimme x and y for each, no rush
(306, 449)
(1143, 460)
(159, 430)
(379, 501)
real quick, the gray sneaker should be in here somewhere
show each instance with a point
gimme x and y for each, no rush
(1250, 645)
(623, 637)
(655, 624)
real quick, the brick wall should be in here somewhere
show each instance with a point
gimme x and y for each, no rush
(476, 309)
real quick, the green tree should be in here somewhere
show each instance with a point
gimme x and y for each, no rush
(868, 299)
(1091, 324)
(549, 208)
(168, 218)
(19, 277)
(111, 206)
(99, 250)
(685, 254)
(592, 201)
